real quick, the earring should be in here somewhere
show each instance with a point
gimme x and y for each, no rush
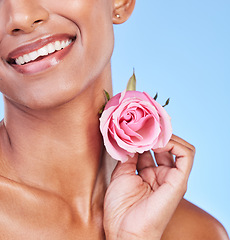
(117, 15)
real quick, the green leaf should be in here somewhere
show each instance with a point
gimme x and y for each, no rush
(131, 86)
(166, 103)
(107, 97)
(156, 96)
(102, 109)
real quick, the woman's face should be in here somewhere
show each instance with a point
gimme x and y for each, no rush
(78, 32)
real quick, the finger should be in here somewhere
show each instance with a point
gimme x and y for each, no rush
(128, 167)
(145, 160)
(184, 155)
(145, 167)
(182, 141)
(164, 158)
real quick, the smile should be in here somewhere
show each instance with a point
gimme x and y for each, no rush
(40, 55)
(44, 51)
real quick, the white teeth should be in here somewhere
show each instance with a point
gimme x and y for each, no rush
(20, 60)
(57, 45)
(44, 51)
(63, 44)
(33, 55)
(26, 58)
(50, 48)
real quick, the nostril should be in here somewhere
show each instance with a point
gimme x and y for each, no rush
(37, 21)
(16, 30)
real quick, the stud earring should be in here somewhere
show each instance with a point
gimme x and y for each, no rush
(117, 15)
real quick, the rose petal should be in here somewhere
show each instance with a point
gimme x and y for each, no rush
(135, 126)
(129, 131)
(112, 147)
(124, 145)
(150, 132)
(165, 122)
(121, 133)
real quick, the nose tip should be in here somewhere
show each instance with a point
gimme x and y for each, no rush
(25, 19)
(26, 28)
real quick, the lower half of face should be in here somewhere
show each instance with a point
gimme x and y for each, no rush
(60, 76)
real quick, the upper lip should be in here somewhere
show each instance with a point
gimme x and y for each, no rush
(37, 44)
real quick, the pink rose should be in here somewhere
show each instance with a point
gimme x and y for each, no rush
(133, 122)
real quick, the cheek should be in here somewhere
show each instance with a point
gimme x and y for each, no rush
(93, 18)
(3, 18)
(97, 35)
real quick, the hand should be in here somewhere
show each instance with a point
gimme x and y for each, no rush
(140, 206)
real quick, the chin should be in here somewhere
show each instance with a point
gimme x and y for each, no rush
(43, 100)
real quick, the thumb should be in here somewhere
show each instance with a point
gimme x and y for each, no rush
(129, 167)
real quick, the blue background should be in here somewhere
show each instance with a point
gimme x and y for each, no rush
(181, 49)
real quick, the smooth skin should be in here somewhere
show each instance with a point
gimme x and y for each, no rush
(57, 182)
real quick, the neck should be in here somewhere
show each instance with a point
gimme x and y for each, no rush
(59, 150)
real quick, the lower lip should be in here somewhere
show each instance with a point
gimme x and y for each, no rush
(43, 64)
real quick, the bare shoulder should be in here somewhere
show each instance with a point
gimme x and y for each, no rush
(192, 223)
(29, 213)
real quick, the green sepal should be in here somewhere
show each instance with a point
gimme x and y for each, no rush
(131, 86)
(166, 103)
(156, 96)
(102, 109)
(107, 98)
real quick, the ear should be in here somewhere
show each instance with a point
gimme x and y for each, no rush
(122, 10)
